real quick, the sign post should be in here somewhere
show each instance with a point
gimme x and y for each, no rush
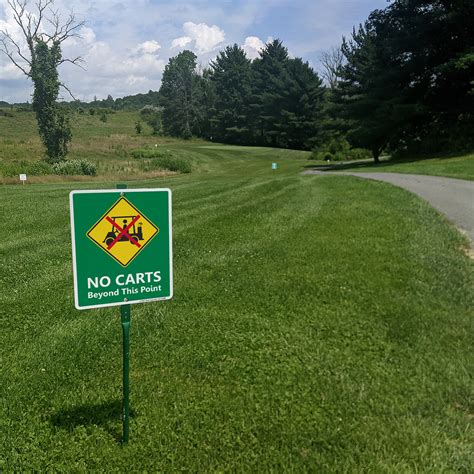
(122, 254)
(126, 319)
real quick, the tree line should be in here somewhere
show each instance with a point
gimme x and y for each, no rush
(404, 80)
(274, 100)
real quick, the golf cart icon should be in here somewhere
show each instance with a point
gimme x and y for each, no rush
(134, 232)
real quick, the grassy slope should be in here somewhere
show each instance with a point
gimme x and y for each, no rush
(461, 166)
(318, 323)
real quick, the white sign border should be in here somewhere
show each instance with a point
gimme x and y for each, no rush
(73, 242)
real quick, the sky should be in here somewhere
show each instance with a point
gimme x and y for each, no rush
(127, 44)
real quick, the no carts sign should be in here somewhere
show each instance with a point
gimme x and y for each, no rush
(121, 245)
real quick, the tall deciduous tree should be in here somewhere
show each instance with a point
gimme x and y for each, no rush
(331, 62)
(53, 121)
(39, 61)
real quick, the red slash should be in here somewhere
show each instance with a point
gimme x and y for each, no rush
(123, 232)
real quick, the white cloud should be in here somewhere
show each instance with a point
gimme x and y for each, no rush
(180, 42)
(87, 35)
(206, 37)
(148, 47)
(252, 45)
(9, 71)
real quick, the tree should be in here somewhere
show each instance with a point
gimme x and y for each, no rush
(40, 64)
(268, 87)
(331, 62)
(53, 121)
(302, 105)
(368, 97)
(407, 77)
(178, 95)
(286, 101)
(231, 76)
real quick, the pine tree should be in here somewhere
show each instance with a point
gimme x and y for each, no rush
(287, 99)
(268, 88)
(231, 78)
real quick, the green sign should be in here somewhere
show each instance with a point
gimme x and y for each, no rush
(121, 246)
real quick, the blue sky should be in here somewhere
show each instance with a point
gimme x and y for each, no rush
(126, 44)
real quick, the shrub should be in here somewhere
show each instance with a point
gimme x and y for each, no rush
(5, 113)
(31, 168)
(149, 153)
(172, 164)
(75, 167)
(339, 150)
(152, 116)
(154, 159)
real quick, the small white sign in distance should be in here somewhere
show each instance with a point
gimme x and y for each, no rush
(23, 177)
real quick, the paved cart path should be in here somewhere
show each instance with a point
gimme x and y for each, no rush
(453, 197)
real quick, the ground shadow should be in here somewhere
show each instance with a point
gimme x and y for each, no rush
(106, 415)
(369, 163)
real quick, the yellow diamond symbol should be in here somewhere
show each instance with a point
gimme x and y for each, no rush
(123, 232)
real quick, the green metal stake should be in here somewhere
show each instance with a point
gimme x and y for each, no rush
(125, 314)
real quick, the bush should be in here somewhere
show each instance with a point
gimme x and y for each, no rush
(75, 167)
(148, 153)
(339, 150)
(5, 113)
(154, 159)
(172, 164)
(152, 116)
(30, 168)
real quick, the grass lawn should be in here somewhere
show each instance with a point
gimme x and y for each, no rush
(459, 166)
(319, 323)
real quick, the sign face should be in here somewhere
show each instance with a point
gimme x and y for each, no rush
(121, 245)
(22, 177)
(274, 166)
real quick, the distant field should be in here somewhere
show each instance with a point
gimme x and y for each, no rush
(320, 323)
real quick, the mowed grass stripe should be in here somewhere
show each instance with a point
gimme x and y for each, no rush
(304, 334)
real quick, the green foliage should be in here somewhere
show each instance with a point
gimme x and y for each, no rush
(30, 168)
(177, 96)
(138, 127)
(6, 113)
(339, 149)
(408, 76)
(153, 117)
(161, 159)
(230, 76)
(287, 99)
(103, 117)
(75, 167)
(170, 163)
(53, 120)
(275, 100)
